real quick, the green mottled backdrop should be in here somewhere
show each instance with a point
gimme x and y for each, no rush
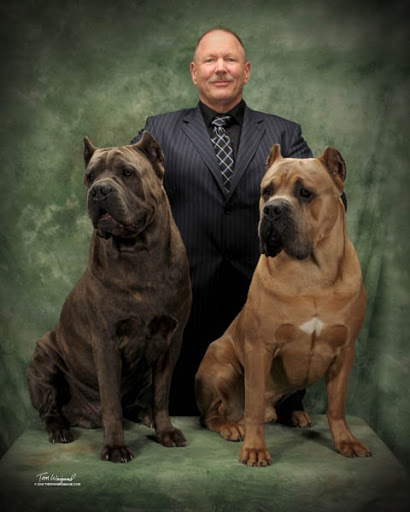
(76, 68)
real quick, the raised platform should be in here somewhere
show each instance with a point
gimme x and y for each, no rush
(307, 473)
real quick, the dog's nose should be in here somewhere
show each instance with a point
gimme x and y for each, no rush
(100, 191)
(273, 210)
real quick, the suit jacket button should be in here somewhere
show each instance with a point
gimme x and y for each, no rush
(227, 210)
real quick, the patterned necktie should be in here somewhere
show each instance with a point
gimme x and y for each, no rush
(223, 148)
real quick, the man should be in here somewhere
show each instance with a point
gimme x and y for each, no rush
(213, 170)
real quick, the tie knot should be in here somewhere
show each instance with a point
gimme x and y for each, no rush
(221, 120)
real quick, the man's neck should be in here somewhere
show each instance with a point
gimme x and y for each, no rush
(222, 107)
(237, 113)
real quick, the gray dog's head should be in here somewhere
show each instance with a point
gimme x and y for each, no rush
(123, 186)
(300, 201)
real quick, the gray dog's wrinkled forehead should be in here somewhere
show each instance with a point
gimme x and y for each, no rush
(120, 156)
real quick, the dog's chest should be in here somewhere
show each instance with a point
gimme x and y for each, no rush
(307, 348)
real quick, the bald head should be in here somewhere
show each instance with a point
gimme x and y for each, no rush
(221, 29)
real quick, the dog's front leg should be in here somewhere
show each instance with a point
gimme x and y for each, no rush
(108, 365)
(336, 382)
(258, 362)
(167, 434)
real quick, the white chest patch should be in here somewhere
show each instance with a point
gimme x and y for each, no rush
(312, 326)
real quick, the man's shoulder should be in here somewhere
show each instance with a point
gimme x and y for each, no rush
(272, 119)
(170, 116)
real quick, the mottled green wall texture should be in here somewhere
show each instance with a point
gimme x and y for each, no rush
(71, 69)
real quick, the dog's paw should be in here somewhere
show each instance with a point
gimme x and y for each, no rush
(270, 414)
(255, 456)
(145, 417)
(171, 438)
(300, 419)
(232, 431)
(295, 419)
(60, 435)
(353, 448)
(116, 453)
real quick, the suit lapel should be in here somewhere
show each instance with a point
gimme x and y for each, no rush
(194, 127)
(251, 135)
(252, 132)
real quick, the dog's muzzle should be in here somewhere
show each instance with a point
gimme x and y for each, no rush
(100, 191)
(103, 204)
(272, 226)
(276, 211)
(279, 230)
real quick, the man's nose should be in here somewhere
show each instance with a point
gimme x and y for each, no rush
(220, 66)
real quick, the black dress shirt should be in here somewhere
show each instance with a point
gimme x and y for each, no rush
(233, 129)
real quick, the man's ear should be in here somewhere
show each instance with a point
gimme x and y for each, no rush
(150, 147)
(273, 155)
(247, 72)
(89, 149)
(192, 68)
(335, 165)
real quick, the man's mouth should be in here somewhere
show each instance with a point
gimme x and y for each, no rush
(225, 80)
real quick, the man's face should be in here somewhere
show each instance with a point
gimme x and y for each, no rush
(220, 70)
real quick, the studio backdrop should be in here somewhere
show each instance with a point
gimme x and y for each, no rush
(71, 69)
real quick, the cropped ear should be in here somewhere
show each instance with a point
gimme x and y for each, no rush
(89, 149)
(334, 163)
(150, 147)
(273, 155)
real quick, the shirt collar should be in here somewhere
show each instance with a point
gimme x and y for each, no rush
(237, 112)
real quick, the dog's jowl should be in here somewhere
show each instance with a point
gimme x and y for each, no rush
(115, 345)
(304, 311)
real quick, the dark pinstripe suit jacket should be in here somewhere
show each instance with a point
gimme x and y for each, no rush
(216, 226)
(220, 230)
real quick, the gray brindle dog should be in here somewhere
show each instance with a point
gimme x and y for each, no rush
(119, 335)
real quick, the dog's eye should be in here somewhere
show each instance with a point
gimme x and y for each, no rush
(90, 177)
(127, 173)
(267, 192)
(305, 194)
